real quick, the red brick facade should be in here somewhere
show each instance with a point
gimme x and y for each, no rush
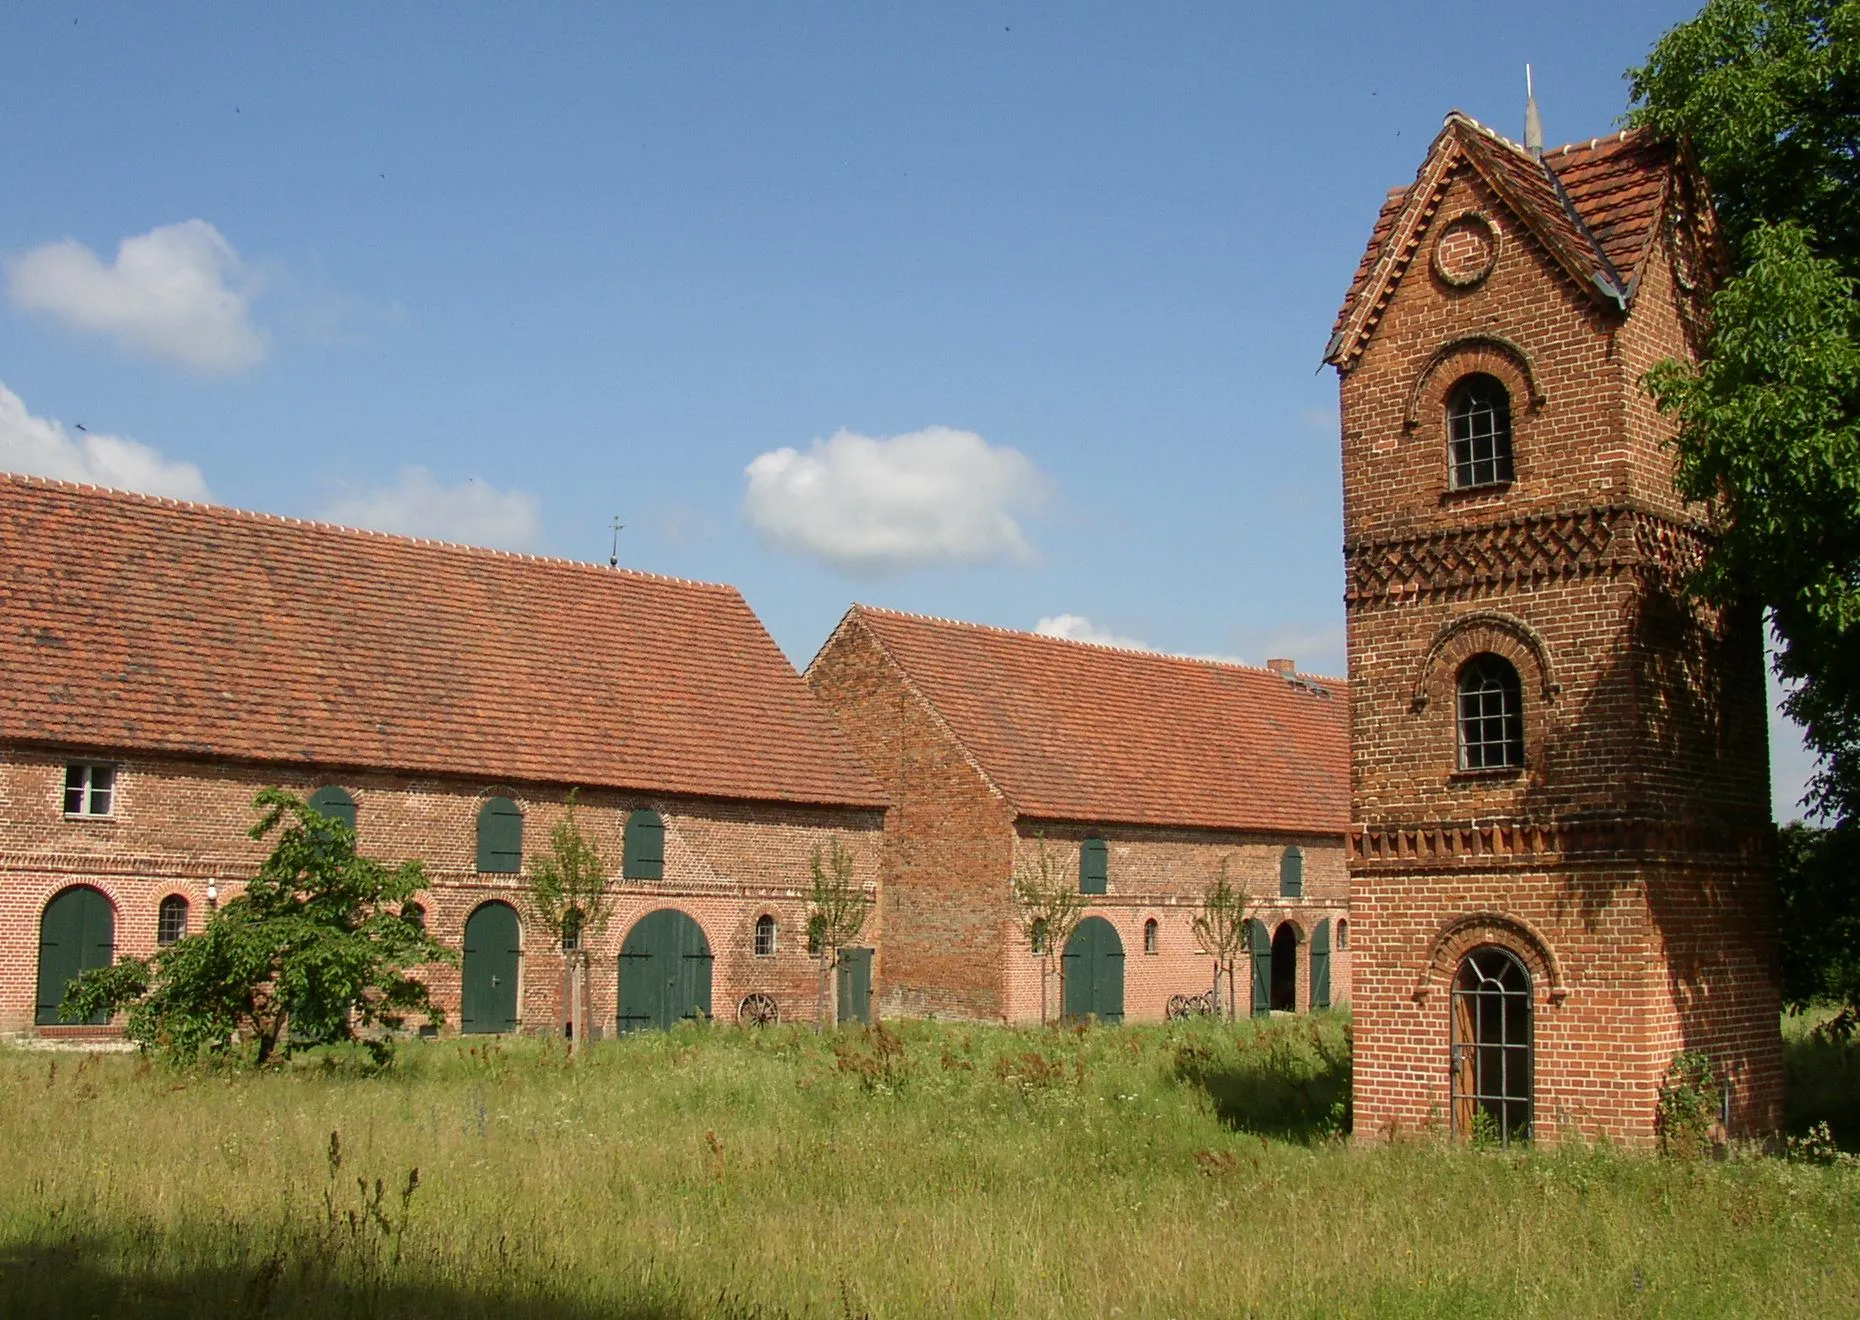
(179, 826)
(1626, 863)
(957, 830)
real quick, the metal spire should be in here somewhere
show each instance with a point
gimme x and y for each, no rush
(1533, 126)
(613, 560)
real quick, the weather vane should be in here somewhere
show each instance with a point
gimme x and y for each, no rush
(613, 560)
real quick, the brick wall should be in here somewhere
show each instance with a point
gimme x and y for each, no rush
(1627, 864)
(951, 944)
(179, 825)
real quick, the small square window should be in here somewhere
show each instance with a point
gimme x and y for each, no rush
(90, 789)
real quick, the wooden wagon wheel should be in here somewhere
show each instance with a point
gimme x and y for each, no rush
(758, 1010)
(1178, 1008)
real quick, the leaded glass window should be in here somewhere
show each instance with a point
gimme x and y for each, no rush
(1479, 425)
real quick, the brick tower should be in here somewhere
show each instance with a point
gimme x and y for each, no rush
(1559, 851)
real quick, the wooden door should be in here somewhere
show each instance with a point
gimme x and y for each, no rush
(1093, 965)
(77, 932)
(493, 950)
(665, 972)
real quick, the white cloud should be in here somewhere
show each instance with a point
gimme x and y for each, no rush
(178, 292)
(42, 447)
(865, 504)
(471, 512)
(1078, 628)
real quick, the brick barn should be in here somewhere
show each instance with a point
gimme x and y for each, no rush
(1139, 772)
(1560, 849)
(160, 662)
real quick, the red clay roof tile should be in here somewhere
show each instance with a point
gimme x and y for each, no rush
(1602, 224)
(134, 623)
(1077, 732)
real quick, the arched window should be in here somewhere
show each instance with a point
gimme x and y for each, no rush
(1343, 933)
(171, 919)
(1039, 935)
(1094, 866)
(645, 846)
(1479, 424)
(1492, 1047)
(414, 915)
(334, 801)
(1292, 872)
(1149, 936)
(1491, 711)
(765, 936)
(500, 837)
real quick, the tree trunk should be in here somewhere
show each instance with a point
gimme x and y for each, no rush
(575, 1025)
(820, 1017)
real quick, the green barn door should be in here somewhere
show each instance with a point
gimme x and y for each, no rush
(856, 985)
(1320, 965)
(664, 972)
(493, 946)
(1094, 970)
(1260, 942)
(76, 933)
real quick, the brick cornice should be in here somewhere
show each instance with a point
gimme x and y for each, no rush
(1526, 844)
(1536, 547)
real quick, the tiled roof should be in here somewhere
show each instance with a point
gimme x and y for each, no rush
(134, 623)
(1078, 732)
(1594, 205)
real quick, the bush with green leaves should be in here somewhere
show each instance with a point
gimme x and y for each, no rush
(319, 947)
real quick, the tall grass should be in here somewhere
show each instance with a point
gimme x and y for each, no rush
(940, 1170)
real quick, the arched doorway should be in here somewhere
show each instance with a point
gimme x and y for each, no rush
(1093, 966)
(77, 932)
(493, 950)
(1492, 1046)
(664, 972)
(1285, 969)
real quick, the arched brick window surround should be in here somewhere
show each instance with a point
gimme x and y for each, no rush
(1462, 934)
(1478, 633)
(1458, 358)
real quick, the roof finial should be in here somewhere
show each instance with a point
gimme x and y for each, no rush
(1533, 126)
(613, 560)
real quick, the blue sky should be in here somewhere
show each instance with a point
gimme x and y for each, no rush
(500, 274)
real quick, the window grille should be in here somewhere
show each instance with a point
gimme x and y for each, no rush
(765, 936)
(1149, 936)
(1479, 424)
(171, 919)
(1491, 715)
(1491, 1064)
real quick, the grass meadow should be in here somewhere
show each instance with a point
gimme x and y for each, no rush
(1189, 1170)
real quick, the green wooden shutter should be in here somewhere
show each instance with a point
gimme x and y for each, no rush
(334, 801)
(1094, 866)
(500, 837)
(855, 985)
(1320, 965)
(645, 846)
(1261, 940)
(1292, 872)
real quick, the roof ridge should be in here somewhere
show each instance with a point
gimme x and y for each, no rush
(1096, 646)
(318, 524)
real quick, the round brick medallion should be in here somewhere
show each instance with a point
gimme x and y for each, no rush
(1466, 250)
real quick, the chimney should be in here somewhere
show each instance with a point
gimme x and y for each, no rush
(1533, 126)
(1282, 666)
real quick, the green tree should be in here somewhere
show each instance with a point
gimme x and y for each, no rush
(1050, 910)
(316, 949)
(837, 906)
(1819, 871)
(568, 897)
(1221, 928)
(1767, 95)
